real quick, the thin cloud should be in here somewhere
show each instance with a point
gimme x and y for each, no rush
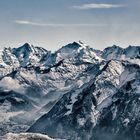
(97, 6)
(30, 23)
(26, 22)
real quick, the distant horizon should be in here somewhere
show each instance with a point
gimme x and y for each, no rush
(57, 48)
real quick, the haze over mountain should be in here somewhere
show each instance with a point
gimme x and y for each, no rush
(77, 92)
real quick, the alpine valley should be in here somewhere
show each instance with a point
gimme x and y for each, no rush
(75, 93)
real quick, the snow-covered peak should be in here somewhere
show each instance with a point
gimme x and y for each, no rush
(77, 51)
(116, 52)
(75, 46)
(82, 44)
(113, 52)
(29, 54)
(132, 51)
(26, 47)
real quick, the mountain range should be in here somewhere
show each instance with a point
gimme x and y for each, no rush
(75, 93)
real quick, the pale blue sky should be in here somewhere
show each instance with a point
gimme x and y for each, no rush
(54, 23)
